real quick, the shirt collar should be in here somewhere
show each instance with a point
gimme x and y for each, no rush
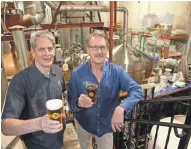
(40, 74)
(104, 68)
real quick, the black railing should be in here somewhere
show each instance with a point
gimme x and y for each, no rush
(148, 113)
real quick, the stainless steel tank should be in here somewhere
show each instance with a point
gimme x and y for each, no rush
(137, 64)
(4, 85)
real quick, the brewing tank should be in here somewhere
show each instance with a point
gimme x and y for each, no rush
(136, 64)
(4, 85)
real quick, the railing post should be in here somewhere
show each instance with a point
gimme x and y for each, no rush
(183, 144)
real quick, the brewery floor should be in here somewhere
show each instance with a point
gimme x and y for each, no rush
(70, 138)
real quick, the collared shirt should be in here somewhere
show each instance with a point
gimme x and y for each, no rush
(26, 99)
(97, 119)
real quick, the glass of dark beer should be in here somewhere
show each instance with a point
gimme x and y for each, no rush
(92, 92)
(55, 109)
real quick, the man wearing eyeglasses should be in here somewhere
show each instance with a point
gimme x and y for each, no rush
(107, 114)
(25, 112)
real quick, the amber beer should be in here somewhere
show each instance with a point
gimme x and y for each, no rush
(92, 92)
(55, 109)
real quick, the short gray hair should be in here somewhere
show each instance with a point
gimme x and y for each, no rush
(38, 34)
(97, 34)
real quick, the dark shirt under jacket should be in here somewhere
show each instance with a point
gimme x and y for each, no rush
(26, 99)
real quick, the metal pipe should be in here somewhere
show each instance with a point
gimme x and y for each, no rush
(150, 122)
(22, 50)
(14, 54)
(102, 8)
(167, 100)
(111, 30)
(91, 13)
(188, 46)
(115, 13)
(55, 15)
(28, 20)
(125, 25)
(4, 85)
(184, 141)
(77, 7)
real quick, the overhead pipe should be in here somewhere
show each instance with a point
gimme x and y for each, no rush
(28, 20)
(95, 8)
(77, 7)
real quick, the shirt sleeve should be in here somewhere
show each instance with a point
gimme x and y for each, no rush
(135, 92)
(72, 93)
(15, 100)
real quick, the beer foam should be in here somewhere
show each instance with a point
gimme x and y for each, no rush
(54, 104)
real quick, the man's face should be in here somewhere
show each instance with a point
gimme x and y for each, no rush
(44, 52)
(97, 50)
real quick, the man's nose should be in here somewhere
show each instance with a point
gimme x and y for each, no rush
(47, 52)
(100, 50)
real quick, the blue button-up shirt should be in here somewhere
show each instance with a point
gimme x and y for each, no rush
(97, 119)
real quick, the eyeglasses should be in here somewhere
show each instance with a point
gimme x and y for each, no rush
(95, 48)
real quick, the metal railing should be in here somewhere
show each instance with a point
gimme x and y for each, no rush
(148, 113)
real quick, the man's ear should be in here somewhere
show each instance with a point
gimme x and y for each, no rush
(32, 52)
(88, 50)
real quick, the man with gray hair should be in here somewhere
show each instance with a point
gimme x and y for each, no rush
(105, 115)
(25, 112)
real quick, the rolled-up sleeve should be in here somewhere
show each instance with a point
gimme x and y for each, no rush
(135, 92)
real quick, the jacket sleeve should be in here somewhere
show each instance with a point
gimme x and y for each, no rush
(135, 92)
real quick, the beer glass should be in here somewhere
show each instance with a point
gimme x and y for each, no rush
(92, 92)
(55, 109)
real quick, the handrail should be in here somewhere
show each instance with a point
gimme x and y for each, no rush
(142, 121)
(166, 100)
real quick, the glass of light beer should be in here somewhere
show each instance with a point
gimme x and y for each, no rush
(55, 109)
